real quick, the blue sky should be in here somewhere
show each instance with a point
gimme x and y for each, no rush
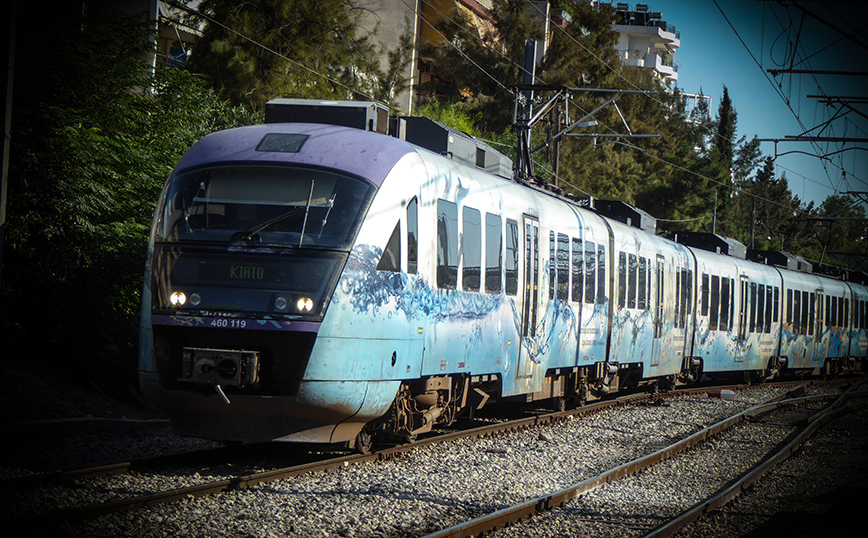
(712, 55)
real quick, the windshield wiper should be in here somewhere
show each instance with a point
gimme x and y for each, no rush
(248, 235)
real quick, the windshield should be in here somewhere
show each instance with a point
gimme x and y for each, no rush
(274, 205)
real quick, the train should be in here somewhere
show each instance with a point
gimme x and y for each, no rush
(336, 274)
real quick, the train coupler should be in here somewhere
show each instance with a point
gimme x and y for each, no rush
(220, 367)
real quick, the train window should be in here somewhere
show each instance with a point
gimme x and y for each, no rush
(840, 312)
(412, 236)
(811, 313)
(846, 312)
(622, 279)
(512, 253)
(391, 257)
(731, 303)
(828, 312)
(724, 321)
(742, 310)
(686, 294)
(704, 292)
(776, 302)
(641, 303)
(834, 310)
(760, 308)
(471, 247)
(797, 308)
(578, 261)
(714, 304)
(268, 205)
(563, 291)
(769, 309)
(752, 307)
(677, 314)
(552, 267)
(590, 272)
(805, 299)
(601, 274)
(447, 245)
(790, 306)
(493, 253)
(631, 278)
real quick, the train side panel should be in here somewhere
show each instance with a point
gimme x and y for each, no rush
(652, 302)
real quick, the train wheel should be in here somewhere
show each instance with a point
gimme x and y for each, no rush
(363, 442)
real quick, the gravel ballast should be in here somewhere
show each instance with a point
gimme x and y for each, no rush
(428, 488)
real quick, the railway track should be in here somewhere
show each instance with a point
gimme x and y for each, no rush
(628, 511)
(244, 481)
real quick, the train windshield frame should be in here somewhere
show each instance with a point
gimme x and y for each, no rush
(276, 205)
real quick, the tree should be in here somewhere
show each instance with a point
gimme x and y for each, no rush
(96, 132)
(257, 50)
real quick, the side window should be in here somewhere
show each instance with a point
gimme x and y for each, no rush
(790, 307)
(472, 249)
(704, 292)
(723, 323)
(563, 262)
(769, 309)
(631, 278)
(622, 279)
(412, 236)
(760, 308)
(590, 272)
(804, 328)
(601, 274)
(777, 304)
(578, 263)
(811, 313)
(641, 302)
(512, 253)
(752, 307)
(493, 253)
(391, 258)
(797, 309)
(552, 265)
(447, 245)
(714, 305)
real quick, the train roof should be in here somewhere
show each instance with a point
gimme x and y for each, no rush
(365, 154)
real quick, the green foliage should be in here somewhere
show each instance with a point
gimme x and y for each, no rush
(258, 50)
(96, 132)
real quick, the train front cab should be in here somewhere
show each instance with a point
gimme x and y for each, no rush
(244, 257)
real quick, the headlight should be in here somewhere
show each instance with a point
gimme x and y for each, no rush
(195, 299)
(304, 304)
(177, 298)
(280, 303)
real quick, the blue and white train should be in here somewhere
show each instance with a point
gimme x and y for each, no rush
(313, 279)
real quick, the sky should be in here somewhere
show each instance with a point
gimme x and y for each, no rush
(758, 36)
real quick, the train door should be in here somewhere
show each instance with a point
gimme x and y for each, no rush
(743, 310)
(815, 346)
(659, 310)
(530, 304)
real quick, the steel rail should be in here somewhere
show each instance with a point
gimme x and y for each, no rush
(833, 411)
(517, 512)
(242, 482)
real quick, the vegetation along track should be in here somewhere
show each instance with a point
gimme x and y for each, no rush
(81, 503)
